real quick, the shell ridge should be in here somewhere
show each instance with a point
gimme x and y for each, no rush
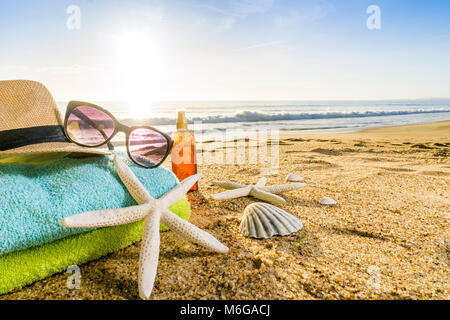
(294, 222)
(282, 222)
(280, 217)
(251, 226)
(266, 222)
(275, 219)
(245, 226)
(260, 228)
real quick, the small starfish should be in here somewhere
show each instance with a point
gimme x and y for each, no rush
(259, 190)
(153, 211)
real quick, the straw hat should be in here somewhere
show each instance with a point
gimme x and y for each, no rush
(30, 121)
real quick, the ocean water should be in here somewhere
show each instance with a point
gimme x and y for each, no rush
(213, 118)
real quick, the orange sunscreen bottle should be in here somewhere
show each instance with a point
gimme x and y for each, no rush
(184, 162)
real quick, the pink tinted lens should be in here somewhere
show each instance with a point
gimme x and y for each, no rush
(147, 147)
(89, 126)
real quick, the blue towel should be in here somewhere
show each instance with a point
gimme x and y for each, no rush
(35, 197)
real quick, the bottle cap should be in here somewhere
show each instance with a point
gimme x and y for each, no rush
(181, 121)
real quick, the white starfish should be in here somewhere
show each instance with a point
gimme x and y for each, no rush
(153, 212)
(259, 190)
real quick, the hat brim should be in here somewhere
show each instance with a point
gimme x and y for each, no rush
(52, 147)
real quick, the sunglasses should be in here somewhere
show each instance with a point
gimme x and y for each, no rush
(89, 125)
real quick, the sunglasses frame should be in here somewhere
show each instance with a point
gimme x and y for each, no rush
(118, 127)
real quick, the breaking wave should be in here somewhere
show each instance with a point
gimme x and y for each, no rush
(253, 116)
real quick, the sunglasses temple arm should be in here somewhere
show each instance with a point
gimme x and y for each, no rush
(110, 146)
(81, 115)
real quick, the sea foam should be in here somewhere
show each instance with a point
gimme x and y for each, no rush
(255, 116)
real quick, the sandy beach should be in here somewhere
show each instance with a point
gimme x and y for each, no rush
(388, 237)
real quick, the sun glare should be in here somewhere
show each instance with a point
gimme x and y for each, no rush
(138, 70)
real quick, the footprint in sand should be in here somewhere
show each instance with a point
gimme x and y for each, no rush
(446, 144)
(422, 146)
(328, 152)
(435, 173)
(397, 169)
(378, 159)
(315, 164)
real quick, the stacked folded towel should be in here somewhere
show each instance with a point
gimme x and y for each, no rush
(35, 197)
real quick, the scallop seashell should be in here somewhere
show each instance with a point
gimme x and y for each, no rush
(327, 202)
(293, 177)
(262, 221)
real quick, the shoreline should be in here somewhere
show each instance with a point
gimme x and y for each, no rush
(429, 128)
(438, 129)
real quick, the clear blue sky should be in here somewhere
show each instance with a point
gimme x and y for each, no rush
(232, 50)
